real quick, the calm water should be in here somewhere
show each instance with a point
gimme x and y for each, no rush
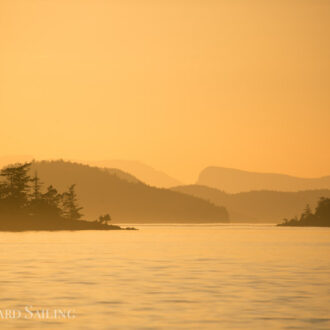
(194, 276)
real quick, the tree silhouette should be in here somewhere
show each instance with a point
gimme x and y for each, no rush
(36, 186)
(321, 216)
(24, 205)
(71, 210)
(322, 211)
(104, 218)
(16, 186)
(52, 199)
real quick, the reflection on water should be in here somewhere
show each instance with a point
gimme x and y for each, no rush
(179, 276)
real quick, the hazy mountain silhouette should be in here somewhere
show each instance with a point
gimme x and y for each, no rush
(143, 172)
(234, 181)
(131, 201)
(258, 206)
(122, 175)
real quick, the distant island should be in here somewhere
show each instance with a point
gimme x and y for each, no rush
(320, 218)
(262, 206)
(24, 206)
(126, 198)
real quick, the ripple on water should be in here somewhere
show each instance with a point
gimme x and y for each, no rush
(166, 277)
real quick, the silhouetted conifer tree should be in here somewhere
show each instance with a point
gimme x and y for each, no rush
(52, 199)
(321, 217)
(104, 218)
(36, 187)
(322, 211)
(71, 210)
(15, 188)
(21, 197)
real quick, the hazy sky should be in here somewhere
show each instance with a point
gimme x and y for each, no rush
(176, 84)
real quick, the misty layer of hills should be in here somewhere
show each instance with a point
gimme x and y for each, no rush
(130, 193)
(145, 173)
(126, 198)
(235, 181)
(258, 206)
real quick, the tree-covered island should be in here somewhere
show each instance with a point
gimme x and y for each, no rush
(26, 205)
(320, 218)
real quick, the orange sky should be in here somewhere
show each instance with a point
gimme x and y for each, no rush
(176, 84)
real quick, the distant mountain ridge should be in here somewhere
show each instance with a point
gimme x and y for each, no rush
(142, 172)
(124, 197)
(258, 206)
(235, 181)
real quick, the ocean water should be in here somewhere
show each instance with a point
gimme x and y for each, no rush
(167, 277)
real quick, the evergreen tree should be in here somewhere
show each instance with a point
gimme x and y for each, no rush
(104, 218)
(52, 200)
(36, 187)
(321, 217)
(15, 189)
(322, 212)
(21, 197)
(71, 210)
(307, 214)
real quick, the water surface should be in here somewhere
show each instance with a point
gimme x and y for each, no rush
(169, 276)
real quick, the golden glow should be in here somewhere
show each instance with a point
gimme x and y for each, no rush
(178, 84)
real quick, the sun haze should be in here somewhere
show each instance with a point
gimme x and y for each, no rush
(177, 84)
